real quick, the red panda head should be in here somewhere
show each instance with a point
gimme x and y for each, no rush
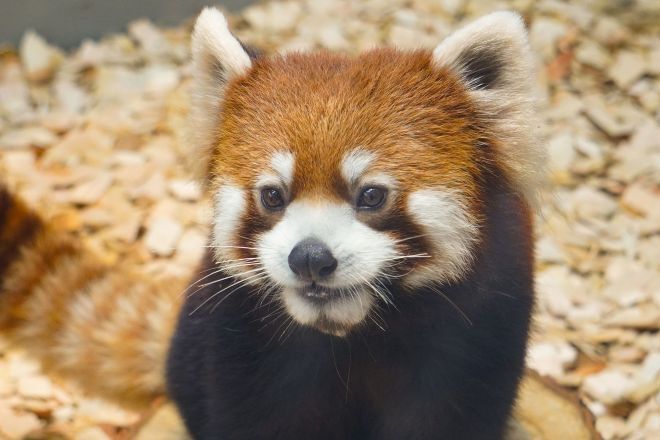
(336, 178)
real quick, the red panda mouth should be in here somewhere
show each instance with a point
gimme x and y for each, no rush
(318, 294)
(326, 299)
(333, 310)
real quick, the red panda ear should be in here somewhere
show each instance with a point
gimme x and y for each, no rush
(217, 57)
(493, 58)
(490, 53)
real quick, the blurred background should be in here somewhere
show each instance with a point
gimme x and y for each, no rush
(67, 22)
(92, 108)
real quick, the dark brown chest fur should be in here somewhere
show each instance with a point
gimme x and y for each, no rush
(446, 364)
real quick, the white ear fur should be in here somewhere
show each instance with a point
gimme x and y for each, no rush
(217, 57)
(493, 57)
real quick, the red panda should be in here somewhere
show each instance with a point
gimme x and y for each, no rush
(372, 237)
(370, 267)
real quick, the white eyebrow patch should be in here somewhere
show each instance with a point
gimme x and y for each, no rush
(354, 164)
(282, 163)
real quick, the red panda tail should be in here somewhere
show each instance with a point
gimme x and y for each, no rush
(106, 328)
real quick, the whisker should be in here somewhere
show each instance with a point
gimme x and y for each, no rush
(241, 264)
(400, 257)
(373, 316)
(243, 281)
(263, 304)
(334, 361)
(387, 292)
(233, 276)
(410, 238)
(264, 292)
(289, 318)
(216, 271)
(275, 312)
(215, 246)
(282, 341)
(238, 259)
(191, 285)
(234, 290)
(378, 293)
(462, 313)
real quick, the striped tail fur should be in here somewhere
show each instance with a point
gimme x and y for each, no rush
(106, 328)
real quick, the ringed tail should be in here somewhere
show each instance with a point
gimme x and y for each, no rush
(105, 327)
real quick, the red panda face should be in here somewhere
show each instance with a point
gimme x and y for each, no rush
(346, 180)
(339, 180)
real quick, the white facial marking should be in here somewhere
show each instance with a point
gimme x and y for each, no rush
(361, 252)
(283, 163)
(281, 172)
(452, 233)
(354, 164)
(381, 179)
(302, 311)
(230, 204)
(350, 311)
(357, 248)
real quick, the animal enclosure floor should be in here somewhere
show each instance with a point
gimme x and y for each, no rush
(93, 139)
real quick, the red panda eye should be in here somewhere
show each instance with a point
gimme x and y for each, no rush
(371, 198)
(272, 199)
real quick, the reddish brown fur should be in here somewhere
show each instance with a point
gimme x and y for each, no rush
(19, 226)
(84, 320)
(418, 119)
(88, 321)
(321, 106)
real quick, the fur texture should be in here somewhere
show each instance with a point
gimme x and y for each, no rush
(494, 60)
(105, 328)
(410, 122)
(422, 327)
(419, 327)
(446, 364)
(211, 42)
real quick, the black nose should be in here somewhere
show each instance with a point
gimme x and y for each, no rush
(311, 259)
